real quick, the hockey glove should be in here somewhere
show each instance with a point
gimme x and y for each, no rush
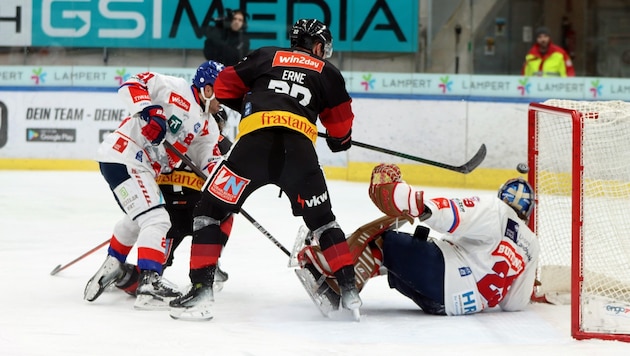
(339, 144)
(155, 129)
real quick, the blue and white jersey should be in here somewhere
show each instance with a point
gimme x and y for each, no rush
(490, 254)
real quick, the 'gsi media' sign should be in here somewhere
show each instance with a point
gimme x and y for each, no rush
(357, 25)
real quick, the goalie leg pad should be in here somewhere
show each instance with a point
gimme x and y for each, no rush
(365, 248)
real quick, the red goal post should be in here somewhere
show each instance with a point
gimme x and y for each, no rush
(579, 159)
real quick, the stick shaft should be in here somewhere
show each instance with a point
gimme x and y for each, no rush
(465, 168)
(201, 174)
(61, 268)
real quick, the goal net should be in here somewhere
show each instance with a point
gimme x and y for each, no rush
(579, 158)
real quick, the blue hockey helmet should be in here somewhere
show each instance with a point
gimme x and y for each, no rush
(519, 195)
(306, 32)
(207, 73)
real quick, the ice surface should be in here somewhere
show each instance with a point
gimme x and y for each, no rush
(50, 218)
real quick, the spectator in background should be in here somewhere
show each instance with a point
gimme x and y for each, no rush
(545, 59)
(227, 41)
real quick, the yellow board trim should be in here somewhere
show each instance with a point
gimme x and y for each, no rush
(420, 175)
(263, 119)
(27, 164)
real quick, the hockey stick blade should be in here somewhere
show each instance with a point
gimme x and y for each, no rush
(474, 162)
(54, 271)
(466, 168)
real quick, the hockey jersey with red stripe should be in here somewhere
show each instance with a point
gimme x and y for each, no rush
(313, 88)
(189, 129)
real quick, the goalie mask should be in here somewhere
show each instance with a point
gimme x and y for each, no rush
(519, 195)
(306, 32)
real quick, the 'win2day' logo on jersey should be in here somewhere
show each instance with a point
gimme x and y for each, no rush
(227, 186)
(294, 59)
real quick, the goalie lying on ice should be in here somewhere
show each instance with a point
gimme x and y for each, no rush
(486, 255)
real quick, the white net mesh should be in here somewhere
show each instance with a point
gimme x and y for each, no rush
(605, 199)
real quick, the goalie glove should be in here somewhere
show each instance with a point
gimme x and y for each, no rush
(392, 195)
(155, 129)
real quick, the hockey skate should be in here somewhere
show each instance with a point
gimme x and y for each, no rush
(196, 305)
(129, 280)
(324, 297)
(351, 300)
(220, 277)
(304, 237)
(154, 292)
(110, 272)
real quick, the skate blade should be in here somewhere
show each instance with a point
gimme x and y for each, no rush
(311, 286)
(300, 243)
(148, 302)
(94, 289)
(343, 314)
(217, 286)
(193, 314)
(91, 293)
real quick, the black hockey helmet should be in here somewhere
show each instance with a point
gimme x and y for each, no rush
(306, 32)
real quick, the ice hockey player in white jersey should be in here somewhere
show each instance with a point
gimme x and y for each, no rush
(485, 257)
(131, 158)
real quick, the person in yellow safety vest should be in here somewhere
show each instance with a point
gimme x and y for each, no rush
(545, 59)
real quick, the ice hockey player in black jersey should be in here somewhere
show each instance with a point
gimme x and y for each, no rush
(181, 191)
(281, 93)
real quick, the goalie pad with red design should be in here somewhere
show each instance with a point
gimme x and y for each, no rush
(366, 250)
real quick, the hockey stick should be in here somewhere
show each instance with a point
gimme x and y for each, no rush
(467, 167)
(60, 268)
(201, 174)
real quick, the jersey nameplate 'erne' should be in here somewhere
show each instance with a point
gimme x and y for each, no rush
(189, 129)
(289, 88)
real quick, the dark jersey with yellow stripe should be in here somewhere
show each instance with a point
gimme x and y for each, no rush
(280, 87)
(181, 187)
